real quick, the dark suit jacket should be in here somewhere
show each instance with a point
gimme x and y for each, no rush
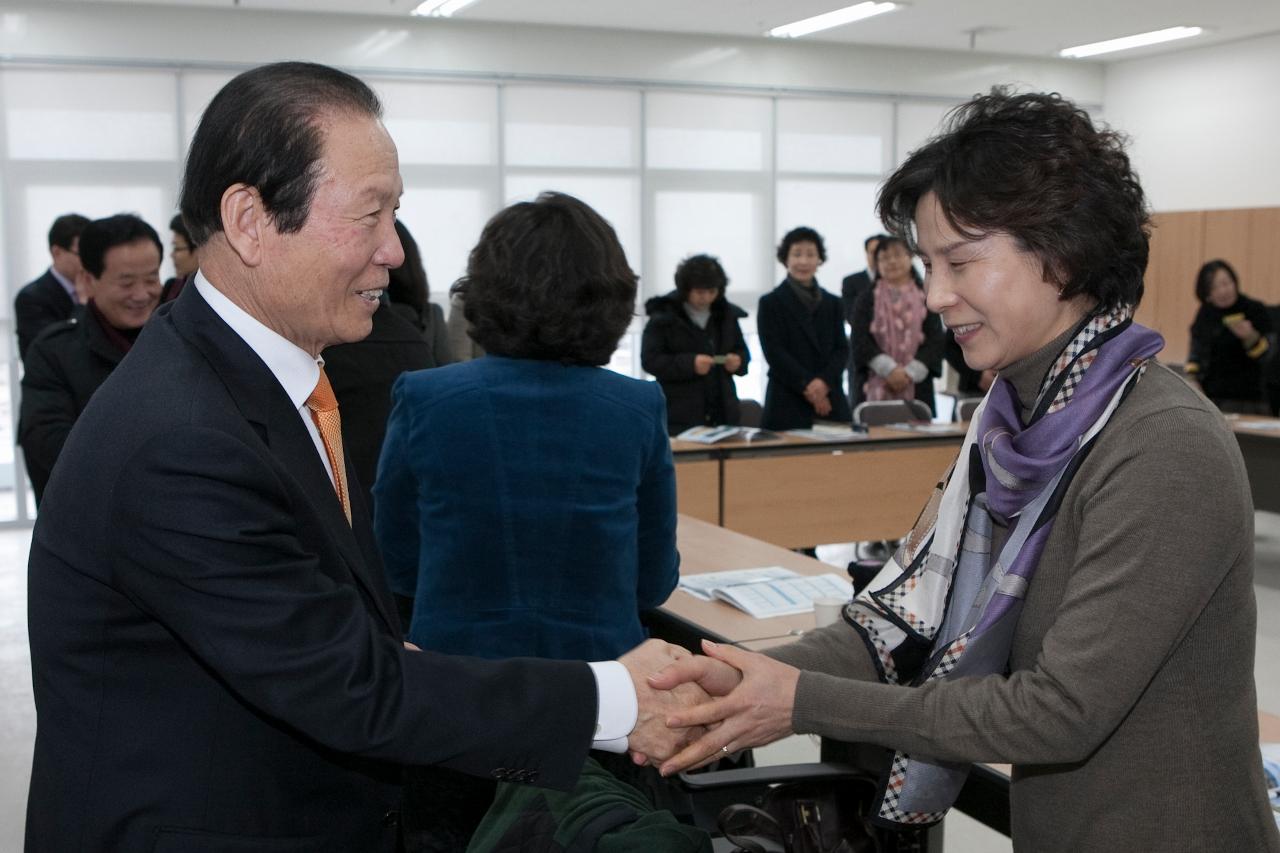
(38, 304)
(64, 367)
(800, 347)
(216, 659)
(361, 374)
(851, 288)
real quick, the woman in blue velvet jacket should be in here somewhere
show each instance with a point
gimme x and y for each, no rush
(525, 500)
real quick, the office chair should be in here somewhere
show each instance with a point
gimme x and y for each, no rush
(966, 407)
(749, 413)
(881, 412)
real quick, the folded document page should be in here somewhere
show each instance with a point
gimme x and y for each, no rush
(768, 591)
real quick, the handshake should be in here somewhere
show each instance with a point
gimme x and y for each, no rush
(693, 710)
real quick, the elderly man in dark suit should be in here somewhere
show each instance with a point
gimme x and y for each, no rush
(51, 298)
(217, 661)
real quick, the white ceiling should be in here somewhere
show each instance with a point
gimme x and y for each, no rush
(1021, 27)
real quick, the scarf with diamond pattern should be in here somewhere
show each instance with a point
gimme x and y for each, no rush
(944, 606)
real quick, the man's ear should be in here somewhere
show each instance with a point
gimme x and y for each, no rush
(84, 286)
(244, 222)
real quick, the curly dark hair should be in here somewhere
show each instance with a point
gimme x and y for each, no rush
(549, 280)
(701, 272)
(803, 234)
(1204, 278)
(1033, 166)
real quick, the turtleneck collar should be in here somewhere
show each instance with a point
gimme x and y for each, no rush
(1027, 375)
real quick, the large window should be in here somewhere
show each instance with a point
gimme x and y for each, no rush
(674, 172)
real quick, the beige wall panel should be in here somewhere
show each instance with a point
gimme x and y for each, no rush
(1169, 304)
(1264, 255)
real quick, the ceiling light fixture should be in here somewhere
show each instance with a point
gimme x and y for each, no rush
(439, 8)
(1127, 42)
(827, 20)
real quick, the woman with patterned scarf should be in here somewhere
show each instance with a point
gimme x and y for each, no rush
(899, 341)
(1076, 598)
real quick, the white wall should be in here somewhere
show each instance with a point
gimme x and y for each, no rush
(135, 33)
(1205, 124)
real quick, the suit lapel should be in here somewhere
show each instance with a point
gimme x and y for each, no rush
(268, 409)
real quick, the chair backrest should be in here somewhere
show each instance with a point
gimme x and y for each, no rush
(966, 407)
(880, 412)
(749, 413)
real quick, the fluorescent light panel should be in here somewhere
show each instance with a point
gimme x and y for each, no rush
(827, 20)
(439, 8)
(1129, 42)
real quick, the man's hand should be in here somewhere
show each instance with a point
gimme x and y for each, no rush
(754, 711)
(732, 362)
(702, 364)
(652, 740)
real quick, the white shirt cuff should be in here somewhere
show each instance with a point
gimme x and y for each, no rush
(616, 706)
(916, 370)
(882, 365)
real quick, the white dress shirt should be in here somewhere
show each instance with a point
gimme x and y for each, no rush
(298, 371)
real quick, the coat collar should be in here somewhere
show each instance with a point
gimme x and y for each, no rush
(262, 402)
(804, 319)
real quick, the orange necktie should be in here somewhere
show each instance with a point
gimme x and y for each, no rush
(324, 411)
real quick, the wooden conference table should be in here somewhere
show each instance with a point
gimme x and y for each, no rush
(1259, 440)
(683, 619)
(801, 492)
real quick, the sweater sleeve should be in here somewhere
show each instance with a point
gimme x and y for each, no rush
(1140, 580)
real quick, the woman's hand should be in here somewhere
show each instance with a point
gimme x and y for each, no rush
(1244, 330)
(750, 709)
(732, 362)
(702, 364)
(898, 379)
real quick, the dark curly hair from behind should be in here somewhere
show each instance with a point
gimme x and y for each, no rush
(549, 280)
(700, 272)
(1033, 166)
(1204, 278)
(803, 234)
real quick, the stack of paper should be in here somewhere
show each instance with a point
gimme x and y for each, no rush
(768, 591)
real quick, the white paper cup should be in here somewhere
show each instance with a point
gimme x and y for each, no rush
(826, 611)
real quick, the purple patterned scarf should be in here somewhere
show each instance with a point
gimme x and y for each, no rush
(945, 606)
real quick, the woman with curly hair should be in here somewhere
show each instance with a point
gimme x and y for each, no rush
(526, 499)
(802, 334)
(1077, 598)
(694, 347)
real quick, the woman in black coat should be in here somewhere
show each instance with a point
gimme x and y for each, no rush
(802, 333)
(693, 345)
(1228, 341)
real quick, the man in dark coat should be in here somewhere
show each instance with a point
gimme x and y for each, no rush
(851, 288)
(51, 298)
(693, 345)
(217, 662)
(70, 359)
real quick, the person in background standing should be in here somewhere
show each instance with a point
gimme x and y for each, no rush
(185, 261)
(52, 297)
(802, 333)
(851, 288)
(693, 345)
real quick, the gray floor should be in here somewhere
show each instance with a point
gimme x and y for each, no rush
(17, 716)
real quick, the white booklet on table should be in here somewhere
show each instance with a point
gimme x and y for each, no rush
(768, 591)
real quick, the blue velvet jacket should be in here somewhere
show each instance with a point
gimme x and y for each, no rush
(527, 507)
